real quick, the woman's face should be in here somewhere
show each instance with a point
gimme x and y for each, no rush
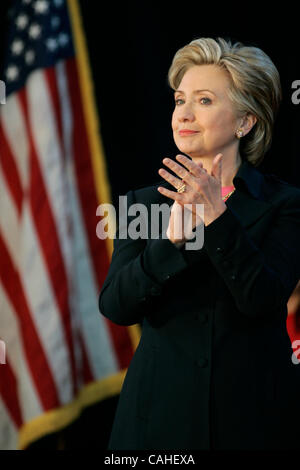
(204, 121)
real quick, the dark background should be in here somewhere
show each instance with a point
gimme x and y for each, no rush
(131, 46)
(130, 61)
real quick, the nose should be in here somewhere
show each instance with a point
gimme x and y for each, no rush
(185, 113)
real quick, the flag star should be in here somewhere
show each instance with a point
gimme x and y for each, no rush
(63, 39)
(55, 22)
(41, 6)
(34, 31)
(12, 72)
(51, 44)
(29, 57)
(17, 46)
(22, 21)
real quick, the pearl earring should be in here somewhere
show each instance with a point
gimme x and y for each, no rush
(239, 133)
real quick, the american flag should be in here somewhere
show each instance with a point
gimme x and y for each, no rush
(60, 353)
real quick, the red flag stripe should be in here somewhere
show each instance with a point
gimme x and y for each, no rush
(84, 175)
(89, 202)
(10, 170)
(9, 392)
(87, 372)
(35, 354)
(47, 233)
(50, 76)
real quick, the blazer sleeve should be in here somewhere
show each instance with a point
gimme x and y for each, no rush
(262, 279)
(138, 270)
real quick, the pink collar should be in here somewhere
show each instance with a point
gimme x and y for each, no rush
(226, 190)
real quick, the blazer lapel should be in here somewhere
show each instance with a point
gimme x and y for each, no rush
(246, 208)
(248, 202)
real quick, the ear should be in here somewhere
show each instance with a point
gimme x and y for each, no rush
(248, 121)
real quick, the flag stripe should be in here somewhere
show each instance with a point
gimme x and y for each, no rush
(27, 259)
(94, 329)
(50, 77)
(89, 203)
(8, 429)
(9, 324)
(9, 392)
(66, 123)
(28, 398)
(33, 349)
(9, 168)
(43, 306)
(84, 176)
(53, 76)
(9, 225)
(45, 224)
(15, 131)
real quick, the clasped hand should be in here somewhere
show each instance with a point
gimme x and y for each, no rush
(201, 188)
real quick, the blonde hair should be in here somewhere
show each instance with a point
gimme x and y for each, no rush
(255, 85)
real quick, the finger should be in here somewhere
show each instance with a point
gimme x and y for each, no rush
(220, 168)
(171, 194)
(180, 171)
(176, 208)
(217, 167)
(176, 182)
(195, 168)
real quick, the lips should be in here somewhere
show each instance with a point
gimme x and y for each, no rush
(187, 132)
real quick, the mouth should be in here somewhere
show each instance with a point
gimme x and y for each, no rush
(187, 132)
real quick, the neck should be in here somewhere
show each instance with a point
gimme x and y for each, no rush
(230, 166)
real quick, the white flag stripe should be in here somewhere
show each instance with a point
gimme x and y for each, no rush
(74, 305)
(14, 127)
(10, 332)
(8, 430)
(43, 306)
(95, 332)
(52, 164)
(9, 222)
(48, 148)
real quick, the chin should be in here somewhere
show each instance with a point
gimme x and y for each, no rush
(191, 152)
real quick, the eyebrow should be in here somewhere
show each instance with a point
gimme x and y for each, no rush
(194, 92)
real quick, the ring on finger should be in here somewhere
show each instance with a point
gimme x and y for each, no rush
(182, 188)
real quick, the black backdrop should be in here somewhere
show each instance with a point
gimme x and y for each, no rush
(131, 46)
(130, 60)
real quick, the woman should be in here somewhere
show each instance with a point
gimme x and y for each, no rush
(213, 369)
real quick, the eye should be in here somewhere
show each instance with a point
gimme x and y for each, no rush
(206, 100)
(178, 101)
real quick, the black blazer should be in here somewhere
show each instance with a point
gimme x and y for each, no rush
(213, 368)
